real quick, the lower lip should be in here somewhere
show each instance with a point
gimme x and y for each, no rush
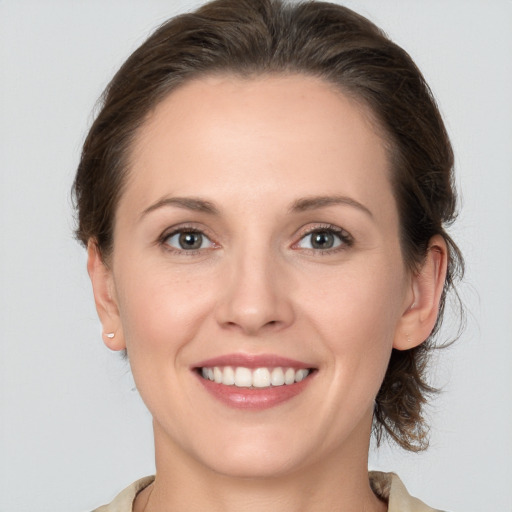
(254, 398)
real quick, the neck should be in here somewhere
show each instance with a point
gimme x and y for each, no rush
(337, 483)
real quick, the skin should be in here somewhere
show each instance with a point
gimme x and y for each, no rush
(253, 149)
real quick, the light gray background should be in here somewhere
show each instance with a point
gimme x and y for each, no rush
(73, 431)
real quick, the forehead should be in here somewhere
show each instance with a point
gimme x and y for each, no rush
(285, 135)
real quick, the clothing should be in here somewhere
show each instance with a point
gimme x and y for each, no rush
(385, 485)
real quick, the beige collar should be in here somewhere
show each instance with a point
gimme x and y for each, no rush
(385, 485)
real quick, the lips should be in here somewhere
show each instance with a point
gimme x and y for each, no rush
(254, 381)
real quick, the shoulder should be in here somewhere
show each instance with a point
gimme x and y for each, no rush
(391, 489)
(123, 502)
(387, 486)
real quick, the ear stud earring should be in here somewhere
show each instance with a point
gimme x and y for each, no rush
(110, 335)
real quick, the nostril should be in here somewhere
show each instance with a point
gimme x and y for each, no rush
(250, 312)
(272, 324)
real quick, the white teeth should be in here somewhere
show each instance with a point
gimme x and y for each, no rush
(261, 378)
(228, 376)
(277, 377)
(258, 377)
(217, 375)
(243, 377)
(289, 376)
(301, 375)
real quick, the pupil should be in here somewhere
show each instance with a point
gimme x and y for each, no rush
(322, 240)
(191, 240)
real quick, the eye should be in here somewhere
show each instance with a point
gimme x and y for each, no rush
(188, 240)
(323, 239)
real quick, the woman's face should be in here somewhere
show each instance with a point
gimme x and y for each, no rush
(257, 242)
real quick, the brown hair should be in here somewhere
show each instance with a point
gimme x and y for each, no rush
(251, 37)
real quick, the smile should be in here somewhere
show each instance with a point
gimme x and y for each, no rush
(254, 382)
(260, 378)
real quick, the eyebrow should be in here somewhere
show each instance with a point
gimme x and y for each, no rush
(300, 205)
(187, 203)
(316, 202)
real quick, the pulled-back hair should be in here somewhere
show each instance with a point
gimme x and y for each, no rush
(256, 37)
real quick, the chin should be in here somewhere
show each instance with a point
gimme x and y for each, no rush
(256, 466)
(257, 453)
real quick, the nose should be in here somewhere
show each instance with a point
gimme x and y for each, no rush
(256, 295)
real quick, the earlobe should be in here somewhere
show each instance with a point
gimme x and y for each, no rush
(420, 317)
(104, 298)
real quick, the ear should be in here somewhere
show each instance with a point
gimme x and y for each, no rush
(427, 284)
(104, 297)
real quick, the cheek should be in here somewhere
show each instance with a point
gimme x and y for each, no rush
(362, 299)
(357, 313)
(160, 309)
(161, 314)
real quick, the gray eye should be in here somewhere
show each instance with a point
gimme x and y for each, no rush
(321, 239)
(188, 241)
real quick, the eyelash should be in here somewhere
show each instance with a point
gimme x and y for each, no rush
(346, 240)
(162, 241)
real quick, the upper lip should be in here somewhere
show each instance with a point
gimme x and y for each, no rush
(252, 361)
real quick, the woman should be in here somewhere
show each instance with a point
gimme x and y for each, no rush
(263, 198)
